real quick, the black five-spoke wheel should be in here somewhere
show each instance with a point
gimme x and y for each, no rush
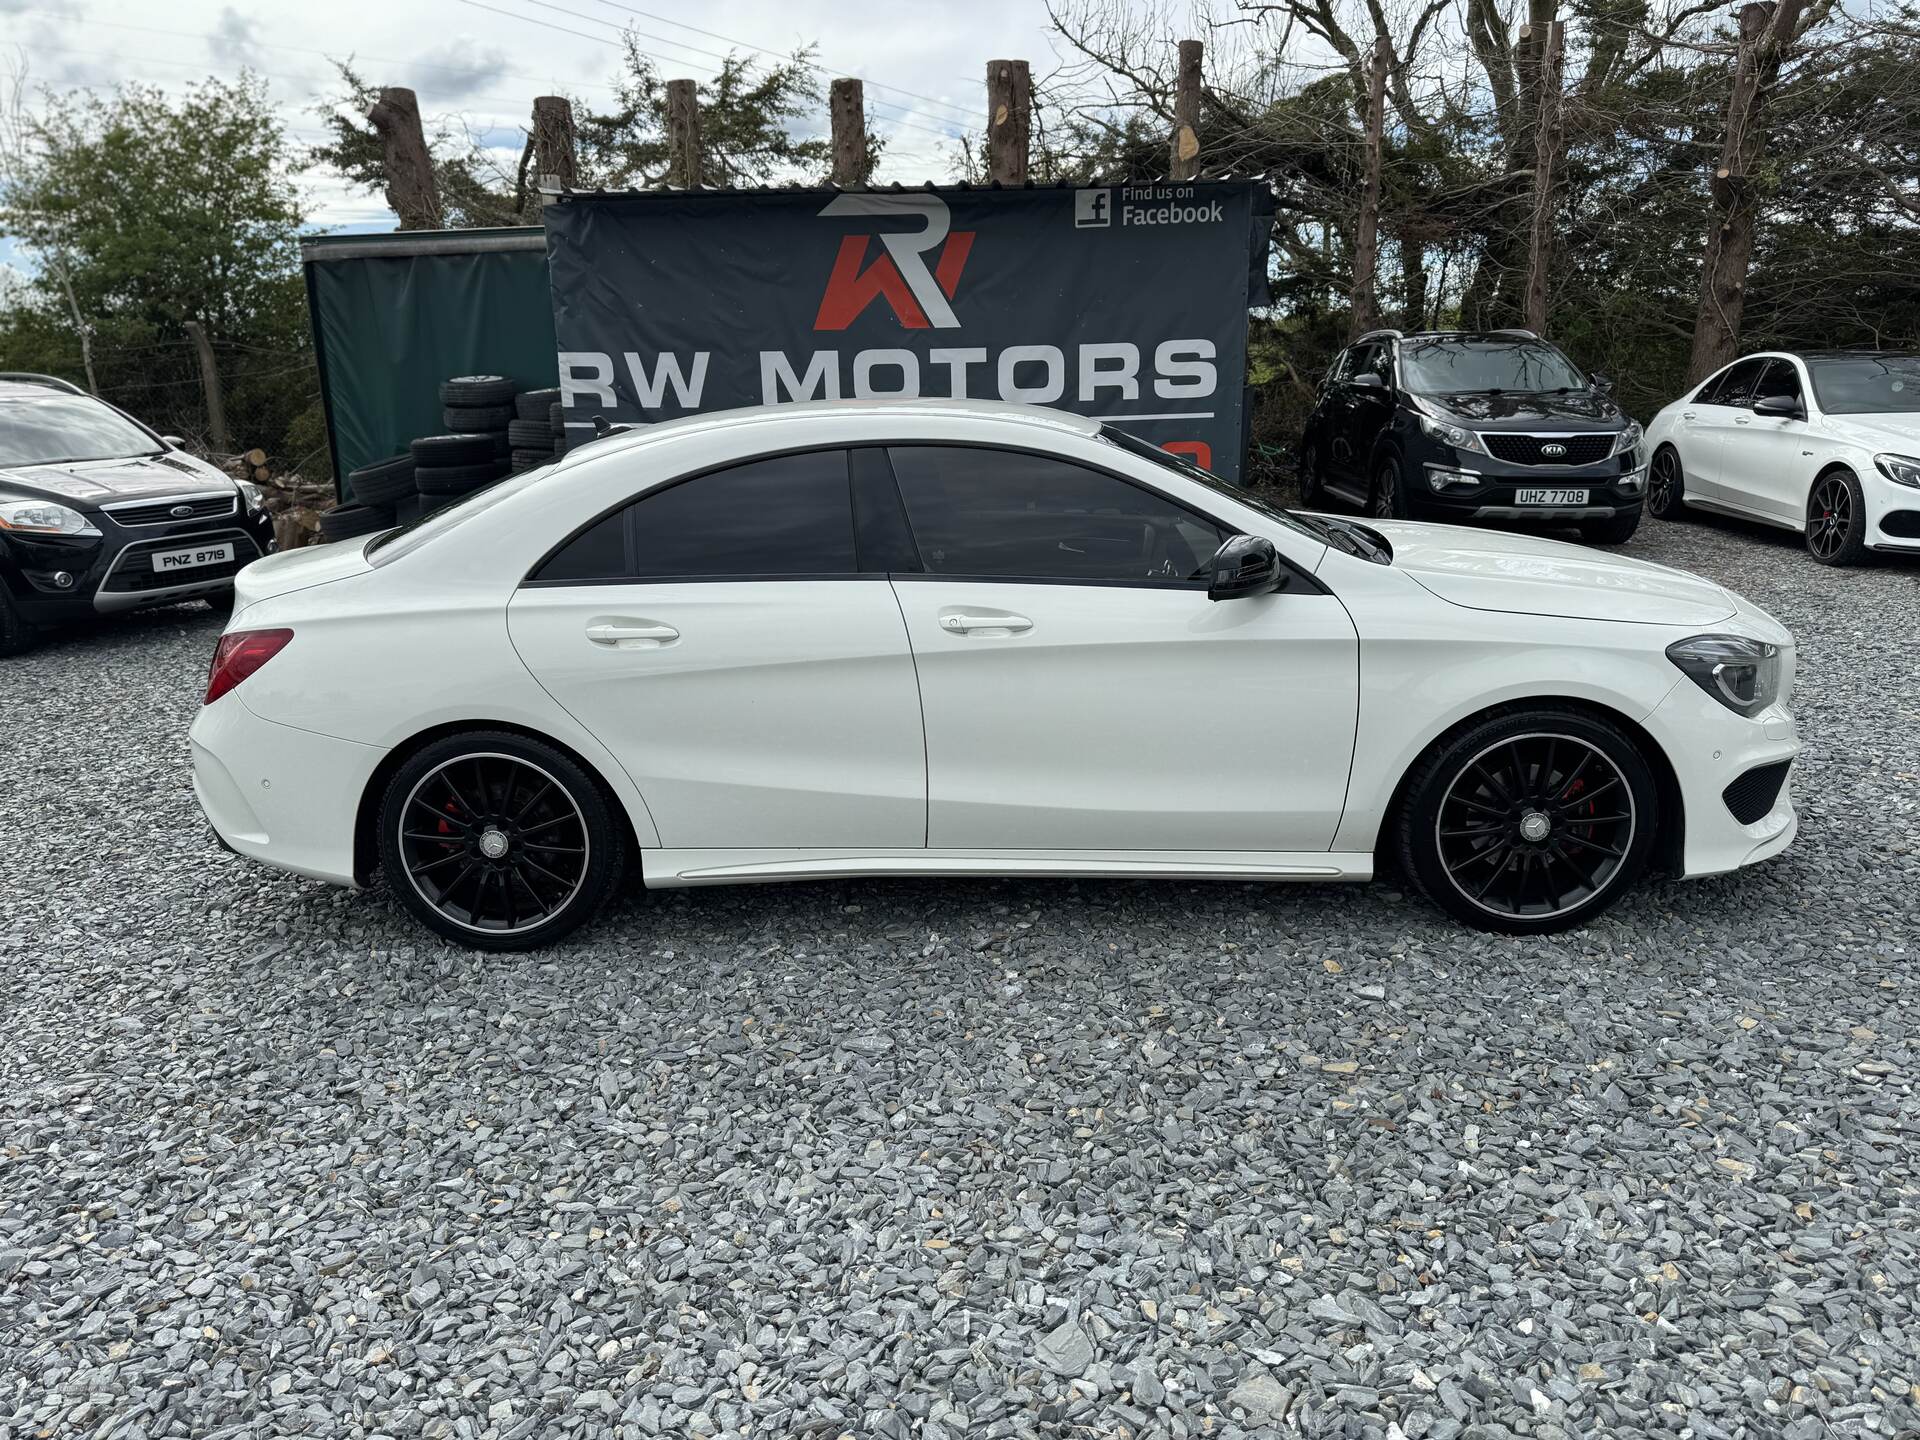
(1529, 822)
(1666, 487)
(1836, 521)
(498, 841)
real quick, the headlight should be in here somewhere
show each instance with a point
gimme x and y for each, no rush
(1458, 436)
(1901, 469)
(252, 494)
(1742, 674)
(42, 517)
(1628, 439)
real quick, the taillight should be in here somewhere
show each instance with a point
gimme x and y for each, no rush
(240, 654)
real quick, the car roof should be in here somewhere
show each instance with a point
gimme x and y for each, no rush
(904, 414)
(19, 385)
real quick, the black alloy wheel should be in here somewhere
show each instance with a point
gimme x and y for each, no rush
(1313, 484)
(1530, 822)
(498, 841)
(1389, 499)
(1666, 486)
(1836, 519)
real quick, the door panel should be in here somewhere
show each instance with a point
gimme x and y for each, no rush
(1761, 467)
(1092, 716)
(1707, 424)
(748, 713)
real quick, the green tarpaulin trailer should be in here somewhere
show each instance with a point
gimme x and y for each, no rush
(395, 314)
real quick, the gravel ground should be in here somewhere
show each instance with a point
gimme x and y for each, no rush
(958, 1159)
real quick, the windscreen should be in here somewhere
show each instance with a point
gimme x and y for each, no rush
(1480, 366)
(50, 429)
(1867, 384)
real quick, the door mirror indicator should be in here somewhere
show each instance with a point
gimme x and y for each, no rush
(1244, 565)
(1780, 407)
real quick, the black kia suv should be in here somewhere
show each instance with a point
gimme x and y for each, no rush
(1483, 425)
(99, 514)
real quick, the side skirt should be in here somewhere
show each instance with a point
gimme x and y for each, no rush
(664, 869)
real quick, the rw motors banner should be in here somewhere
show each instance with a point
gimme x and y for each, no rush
(1126, 302)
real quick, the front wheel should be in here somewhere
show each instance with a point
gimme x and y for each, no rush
(1313, 483)
(1666, 485)
(1388, 499)
(1836, 519)
(1529, 822)
(1614, 530)
(16, 634)
(499, 841)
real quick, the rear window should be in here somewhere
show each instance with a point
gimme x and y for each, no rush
(410, 537)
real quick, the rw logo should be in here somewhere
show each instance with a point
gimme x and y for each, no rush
(900, 275)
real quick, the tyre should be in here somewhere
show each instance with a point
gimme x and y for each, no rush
(454, 479)
(529, 434)
(477, 390)
(476, 419)
(1614, 530)
(408, 509)
(441, 450)
(384, 483)
(536, 404)
(16, 634)
(1836, 519)
(1313, 482)
(346, 522)
(1529, 821)
(557, 419)
(499, 841)
(1666, 485)
(1387, 500)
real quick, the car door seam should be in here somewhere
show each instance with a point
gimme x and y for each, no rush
(920, 695)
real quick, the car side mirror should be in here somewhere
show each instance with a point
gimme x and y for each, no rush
(1244, 565)
(1780, 407)
(173, 442)
(1368, 380)
(1602, 384)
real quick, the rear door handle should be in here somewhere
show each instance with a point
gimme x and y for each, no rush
(631, 634)
(956, 622)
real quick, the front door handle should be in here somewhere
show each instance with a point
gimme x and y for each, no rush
(631, 634)
(957, 622)
(1743, 419)
(1688, 415)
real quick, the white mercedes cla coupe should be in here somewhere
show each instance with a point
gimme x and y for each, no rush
(1827, 444)
(943, 638)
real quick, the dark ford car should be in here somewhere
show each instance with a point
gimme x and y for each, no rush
(99, 514)
(1496, 425)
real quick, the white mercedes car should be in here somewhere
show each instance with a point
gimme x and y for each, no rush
(1825, 443)
(950, 638)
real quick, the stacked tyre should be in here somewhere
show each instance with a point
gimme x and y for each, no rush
(479, 405)
(445, 467)
(380, 492)
(531, 434)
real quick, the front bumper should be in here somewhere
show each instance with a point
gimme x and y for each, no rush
(1710, 748)
(1893, 514)
(52, 579)
(286, 797)
(1477, 487)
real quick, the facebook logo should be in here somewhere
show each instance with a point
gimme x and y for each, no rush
(1092, 208)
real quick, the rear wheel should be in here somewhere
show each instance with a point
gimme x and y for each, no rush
(1666, 485)
(1531, 821)
(1388, 498)
(499, 841)
(1836, 519)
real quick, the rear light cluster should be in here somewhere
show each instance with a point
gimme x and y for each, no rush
(240, 654)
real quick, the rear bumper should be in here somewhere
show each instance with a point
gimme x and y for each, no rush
(285, 797)
(1710, 748)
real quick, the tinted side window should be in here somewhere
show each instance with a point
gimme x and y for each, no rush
(1342, 367)
(1362, 357)
(1779, 379)
(1733, 385)
(989, 513)
(786, 515)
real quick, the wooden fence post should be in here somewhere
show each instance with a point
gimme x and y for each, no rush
(554, 163)
(411, 189)
(210, 383)
(1184, 163)
(1546, 158)
(1009, 120)
(1365, 303)
(847, 110)
(683, 134)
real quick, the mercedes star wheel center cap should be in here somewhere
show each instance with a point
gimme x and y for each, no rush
(1533, 826)
(493, 844)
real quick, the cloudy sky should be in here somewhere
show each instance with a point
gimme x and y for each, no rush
(923, 60)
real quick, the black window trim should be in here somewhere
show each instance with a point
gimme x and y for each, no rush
(1302, 580)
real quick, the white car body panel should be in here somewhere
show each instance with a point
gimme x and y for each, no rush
(797, 728)
(1762, 467)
